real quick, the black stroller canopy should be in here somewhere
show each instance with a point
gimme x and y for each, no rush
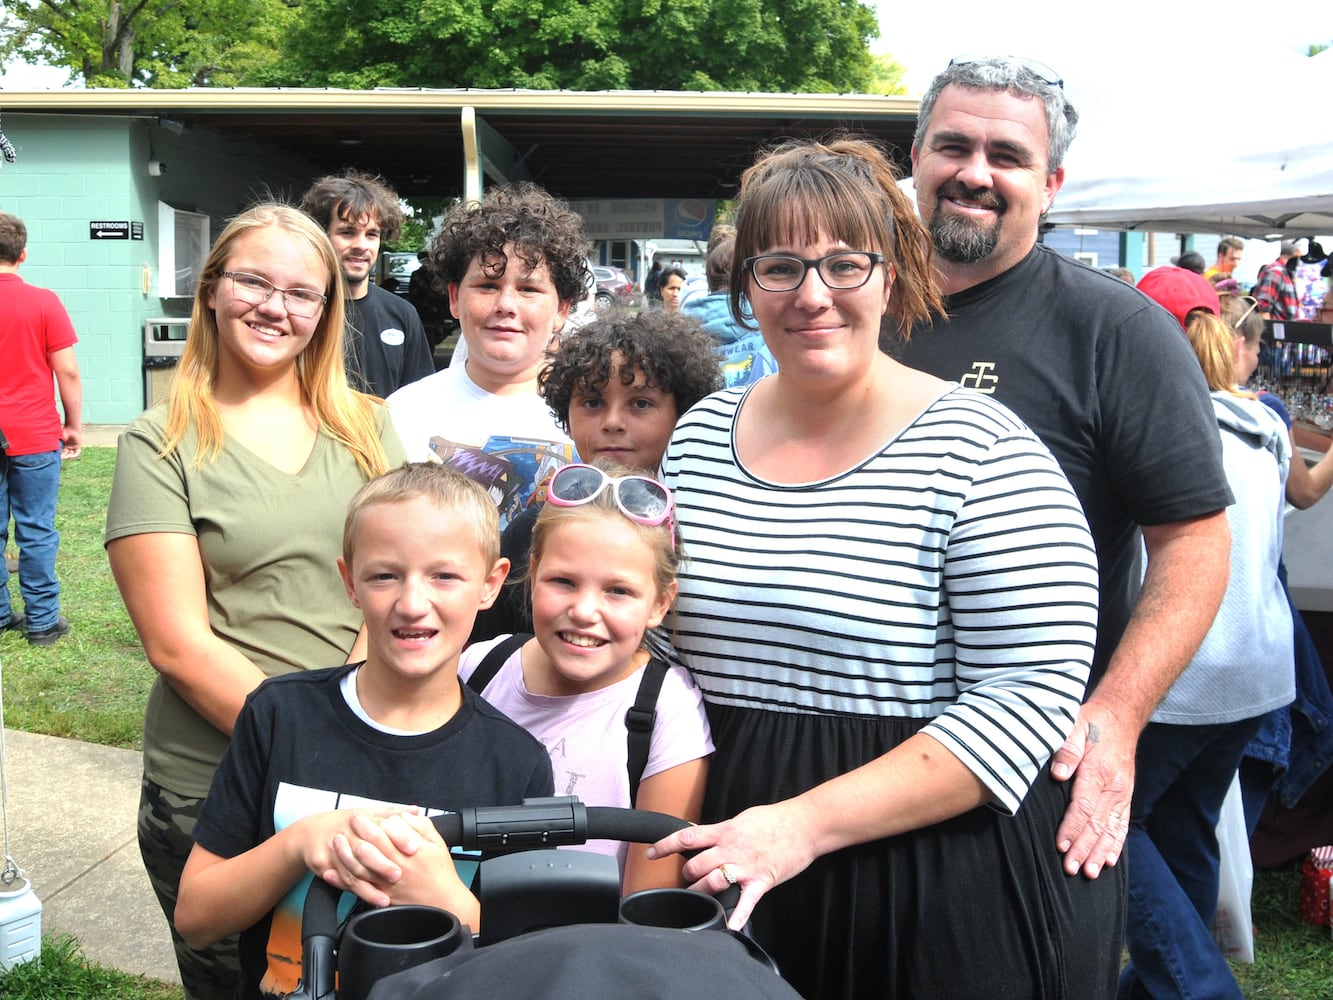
(587, 961)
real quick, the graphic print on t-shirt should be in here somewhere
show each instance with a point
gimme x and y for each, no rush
(291, 803)
(512, 470)
(745, 361)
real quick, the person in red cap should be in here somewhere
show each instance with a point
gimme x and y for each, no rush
(1244, 669)
(1180, 291)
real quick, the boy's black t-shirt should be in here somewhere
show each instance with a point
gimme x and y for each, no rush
(298, 748)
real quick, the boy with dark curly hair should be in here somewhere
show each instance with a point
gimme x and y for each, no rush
(513, 264)
(617, 386)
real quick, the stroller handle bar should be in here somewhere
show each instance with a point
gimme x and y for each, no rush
(551, 822)
(537, 823)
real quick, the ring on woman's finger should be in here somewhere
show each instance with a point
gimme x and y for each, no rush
(726, 874)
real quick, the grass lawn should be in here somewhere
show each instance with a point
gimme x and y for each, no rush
(64, 974)
(1292, 960)
(92, 686)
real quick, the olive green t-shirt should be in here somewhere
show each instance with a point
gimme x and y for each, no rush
(269, 543)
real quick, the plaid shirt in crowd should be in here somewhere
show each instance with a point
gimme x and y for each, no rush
(1276, 293)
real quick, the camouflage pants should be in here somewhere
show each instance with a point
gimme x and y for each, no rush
(166, 822)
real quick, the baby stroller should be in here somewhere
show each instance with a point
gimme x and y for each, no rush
(555, 925)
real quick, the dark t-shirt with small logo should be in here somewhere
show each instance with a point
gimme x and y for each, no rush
(386, 345)
(1108, 381)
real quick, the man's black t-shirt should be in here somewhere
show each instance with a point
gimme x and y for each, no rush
(1108, 381)
(386, 347)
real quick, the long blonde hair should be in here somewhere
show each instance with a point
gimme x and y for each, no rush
(351, 418)
(1214, 343)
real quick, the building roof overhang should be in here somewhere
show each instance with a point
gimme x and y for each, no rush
(579, 145)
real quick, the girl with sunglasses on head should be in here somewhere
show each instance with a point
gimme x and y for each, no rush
(602, 574)
(617, 386)
(891, 607)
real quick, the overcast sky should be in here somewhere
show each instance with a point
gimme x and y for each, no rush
(1140, 45)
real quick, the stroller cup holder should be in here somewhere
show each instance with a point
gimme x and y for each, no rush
(520, 893)
(678, 909)
(379, 943)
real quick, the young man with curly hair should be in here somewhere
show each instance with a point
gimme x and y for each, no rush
(386, 346)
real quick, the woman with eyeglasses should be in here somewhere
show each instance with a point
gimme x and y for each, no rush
(890, 605)
(225, 521)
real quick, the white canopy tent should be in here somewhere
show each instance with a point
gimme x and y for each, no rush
(1262, 167)
(1286, 192)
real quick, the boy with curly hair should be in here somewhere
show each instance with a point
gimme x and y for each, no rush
(514, 264)
(617, 386)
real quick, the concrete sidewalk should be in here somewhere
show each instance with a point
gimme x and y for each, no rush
(72, 808)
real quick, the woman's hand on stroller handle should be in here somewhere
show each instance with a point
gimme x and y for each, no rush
(754, 851)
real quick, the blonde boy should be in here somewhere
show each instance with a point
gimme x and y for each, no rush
(312, 751)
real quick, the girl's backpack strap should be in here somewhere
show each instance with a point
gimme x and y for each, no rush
(639, 722)
(492, 662)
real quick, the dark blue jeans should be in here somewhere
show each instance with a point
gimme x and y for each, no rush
(1182, 774)
(28, 488)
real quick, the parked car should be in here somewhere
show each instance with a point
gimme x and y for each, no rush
(396, 270)
(613, 286)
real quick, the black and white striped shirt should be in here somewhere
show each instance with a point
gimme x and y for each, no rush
(950, 576)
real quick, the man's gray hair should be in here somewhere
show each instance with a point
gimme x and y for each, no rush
(1009, 74)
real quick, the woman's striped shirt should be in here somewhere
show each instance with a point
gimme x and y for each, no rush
(950, 576)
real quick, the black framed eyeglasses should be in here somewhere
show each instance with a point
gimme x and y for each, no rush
(1040, 70)
(781, 272)
(254, 290)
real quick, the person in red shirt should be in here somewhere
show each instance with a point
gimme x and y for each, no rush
(37, 341)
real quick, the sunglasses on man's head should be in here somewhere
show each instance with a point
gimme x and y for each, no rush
(1040, 70)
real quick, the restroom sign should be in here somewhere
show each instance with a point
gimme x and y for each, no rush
(108, 230)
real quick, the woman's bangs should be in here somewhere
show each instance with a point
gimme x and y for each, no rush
(804, 207)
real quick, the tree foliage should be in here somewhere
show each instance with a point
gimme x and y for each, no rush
(154, 43)
(743, 45)
(887, 75)
(760, 45)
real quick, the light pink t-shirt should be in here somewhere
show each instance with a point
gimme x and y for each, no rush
(585, 734)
